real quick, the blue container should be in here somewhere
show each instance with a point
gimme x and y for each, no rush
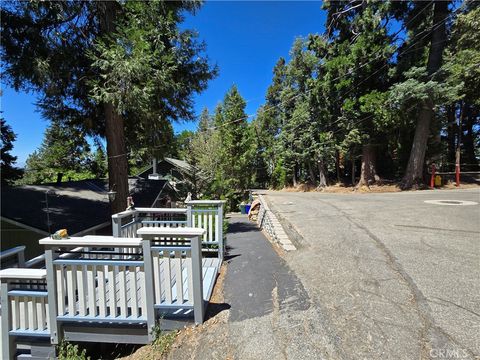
(247, 208)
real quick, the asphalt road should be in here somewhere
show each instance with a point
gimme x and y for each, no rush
(388, 275)
(256, 275)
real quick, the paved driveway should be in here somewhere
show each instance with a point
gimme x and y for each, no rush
(392, 277)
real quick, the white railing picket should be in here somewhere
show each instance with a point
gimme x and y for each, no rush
(133, 290)
(32, 314)
(23, 313)
(71, 297)
(40, 304)
(178, 276)
(210, 227)
(92, 306)
(205, 226)
(112, 291)
(15, 313)
(82, 309)
(167, 277)
(122, 291)
(60, 290)
(189, 276)
(102, 306)
(156, 277)
(199, 219)
(141, 291)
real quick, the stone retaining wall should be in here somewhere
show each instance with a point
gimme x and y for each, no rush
(269, 223)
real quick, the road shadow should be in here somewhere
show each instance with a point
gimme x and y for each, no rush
(229, 257)
(236, 227)
(214, 309)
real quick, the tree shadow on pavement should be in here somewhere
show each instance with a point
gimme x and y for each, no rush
(216, 308)
(241, 227)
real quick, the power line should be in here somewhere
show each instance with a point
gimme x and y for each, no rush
(268, 108)
(265, 109)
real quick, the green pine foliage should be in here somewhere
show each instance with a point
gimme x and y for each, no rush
(9, 172)
(64, 150)
(120, 70)
(344, 107)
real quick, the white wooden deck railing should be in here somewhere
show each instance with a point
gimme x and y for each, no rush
(14, 257)
(177, 270)
(24, 306)
(104, 284)
(205, 214)
(152, 265)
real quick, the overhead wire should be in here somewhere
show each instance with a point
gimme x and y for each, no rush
(333, 80)
(277, 106)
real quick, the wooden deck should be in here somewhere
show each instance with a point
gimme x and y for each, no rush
(115, 289)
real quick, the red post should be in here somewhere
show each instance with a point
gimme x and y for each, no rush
(432, 179)
(457, 174)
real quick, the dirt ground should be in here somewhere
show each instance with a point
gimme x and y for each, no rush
(384, 188)
(187, 337)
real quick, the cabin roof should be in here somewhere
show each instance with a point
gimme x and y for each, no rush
(164, 166)
(73, 205)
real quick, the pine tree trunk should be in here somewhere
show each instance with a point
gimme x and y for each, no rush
(459, 137)
(114, 128)
(321, 171)
(414, 172)
(295, 183)
(337, 164)
(117, 158)
(468, 141)
(451, 134)
(352, 159)
(311, 172)
(368, 174)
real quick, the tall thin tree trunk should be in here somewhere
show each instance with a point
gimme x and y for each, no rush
(321, 172)
(117, 158)
(451, 134)
(337, 164)
(469, 141)
(311, 172)
(114, 129)
(414, 171)
(368, 174)
(459, 139)
(295, 182)
(352, 159)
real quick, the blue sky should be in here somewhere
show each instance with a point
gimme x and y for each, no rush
(244, 38)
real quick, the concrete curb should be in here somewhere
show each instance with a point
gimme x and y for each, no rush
(268, 222)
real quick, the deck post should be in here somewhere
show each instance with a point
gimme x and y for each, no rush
(219, 232)
(8, 345)
(116, 226)
(189, 215)
(197, 276)
(149, 288)
(21, 258)
(52, 295)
